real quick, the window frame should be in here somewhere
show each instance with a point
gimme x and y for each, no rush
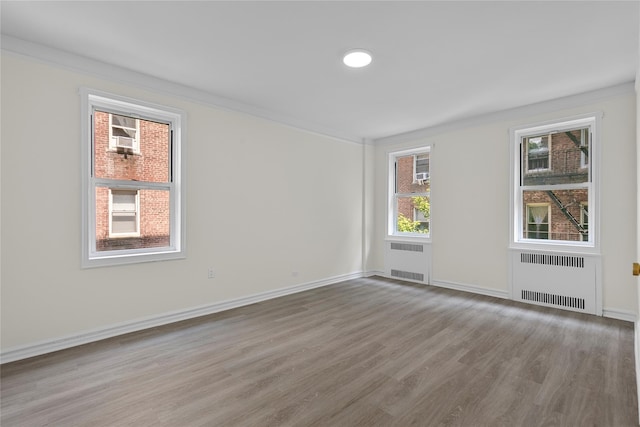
(393, 196)
(516, 135)
(92, 100)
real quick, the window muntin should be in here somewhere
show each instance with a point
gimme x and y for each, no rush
(410, 198)
(553, 166)
(133, 208)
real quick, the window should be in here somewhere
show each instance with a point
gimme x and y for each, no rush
(133, 187)
(584, 220)
(537, 152)
(410, 198)
(123, 213)
(554, 175)
(123, 133)
(537, 221)
(421, 167)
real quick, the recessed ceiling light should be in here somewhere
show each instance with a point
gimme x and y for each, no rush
(357, 58)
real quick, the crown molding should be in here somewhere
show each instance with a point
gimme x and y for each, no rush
(77, 63)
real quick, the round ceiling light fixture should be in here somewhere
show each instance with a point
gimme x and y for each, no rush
(357, 58)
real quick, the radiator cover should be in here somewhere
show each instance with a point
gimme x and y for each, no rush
(408, 261)
(561, 280)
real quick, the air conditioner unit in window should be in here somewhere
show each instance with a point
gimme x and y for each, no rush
(124, 142)
(422, 176)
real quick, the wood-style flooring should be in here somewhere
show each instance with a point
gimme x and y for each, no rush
(366, 352)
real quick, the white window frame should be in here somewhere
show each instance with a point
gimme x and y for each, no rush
(392, 208)
(136, 213)
(517, 239)
(92, 100)
(112, 139)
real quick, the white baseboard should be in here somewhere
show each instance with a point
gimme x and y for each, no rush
(472, 288)
(48, 346)
(613, 313)
(371, 273)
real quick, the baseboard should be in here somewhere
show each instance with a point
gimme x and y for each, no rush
(613, 313)
(371, 273)
(472, 288)
(62, 343)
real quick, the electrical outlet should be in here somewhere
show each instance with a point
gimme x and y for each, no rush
(211, 273)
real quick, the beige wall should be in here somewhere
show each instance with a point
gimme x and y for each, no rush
(470, 199)
(263, 201)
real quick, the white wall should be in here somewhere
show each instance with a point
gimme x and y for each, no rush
(470, 197)
(263, 201)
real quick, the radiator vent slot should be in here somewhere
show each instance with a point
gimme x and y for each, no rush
(407, 275)
(556, 260)
(552, 299)
(407, 247)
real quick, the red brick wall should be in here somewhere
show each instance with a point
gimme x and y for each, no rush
(150, 164)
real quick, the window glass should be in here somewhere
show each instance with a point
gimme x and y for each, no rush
(554, 189)
(411, 204)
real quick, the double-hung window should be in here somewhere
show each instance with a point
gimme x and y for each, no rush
(410, 193)
(133, 182)
(554, 169)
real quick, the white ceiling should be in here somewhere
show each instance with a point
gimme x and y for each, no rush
(434, 62)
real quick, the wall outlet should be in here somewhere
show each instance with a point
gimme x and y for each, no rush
(211, 273)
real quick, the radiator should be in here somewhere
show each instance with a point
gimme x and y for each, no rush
(408, 261)
(566, 281)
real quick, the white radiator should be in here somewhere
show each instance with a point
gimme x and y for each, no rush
(566, 281)
(408, 261)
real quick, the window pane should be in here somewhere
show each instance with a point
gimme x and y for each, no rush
(556, 158)
(123, 121)
(412, 174)
(140, 155)
(422, 163)
(123, 223)
(555, 215)
(123, 200)
(154, 221)
(413, 214)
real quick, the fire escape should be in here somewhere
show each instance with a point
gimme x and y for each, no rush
(564, 208)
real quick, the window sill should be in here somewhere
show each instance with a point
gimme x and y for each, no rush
(114, 258)
(410, 238)
(577, 247)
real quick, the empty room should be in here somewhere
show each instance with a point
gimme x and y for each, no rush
(319, 213)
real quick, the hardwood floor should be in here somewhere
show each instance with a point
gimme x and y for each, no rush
(367, 352)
